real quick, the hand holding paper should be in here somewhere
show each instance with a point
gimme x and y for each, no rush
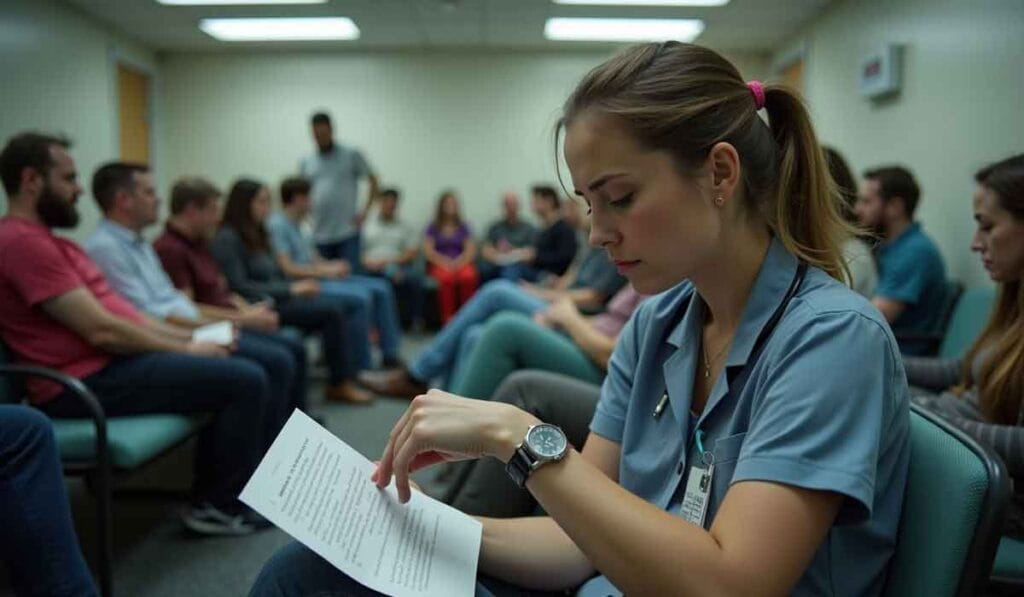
(318, 489)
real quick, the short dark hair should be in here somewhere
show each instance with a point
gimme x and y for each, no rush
(292, 187)
(320, 118)
(27, 150)
(390, 192)
(192, 191)
(111, 178)
(896, 181)
(546, 191)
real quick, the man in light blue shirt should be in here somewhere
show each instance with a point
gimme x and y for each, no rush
(334, 171)
(296, 258)
(912, 284)
(126, 195)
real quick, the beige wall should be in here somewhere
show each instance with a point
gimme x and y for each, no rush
(58, 73)
(478, 122)
(962, 103)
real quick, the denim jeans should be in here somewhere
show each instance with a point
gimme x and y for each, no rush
(382, 308)
(296, 571)
(284, 362)
(235, 391)
(407, 281)
(439, 356)
(331, 317)
(347, 249)
(37, 537)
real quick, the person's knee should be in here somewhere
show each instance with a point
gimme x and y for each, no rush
(291, 569)
(30, 428)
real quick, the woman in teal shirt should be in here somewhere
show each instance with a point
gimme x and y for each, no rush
(726, 457)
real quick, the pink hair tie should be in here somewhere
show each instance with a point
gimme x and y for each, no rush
(757, 89)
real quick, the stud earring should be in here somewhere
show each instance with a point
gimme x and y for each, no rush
(719, 201)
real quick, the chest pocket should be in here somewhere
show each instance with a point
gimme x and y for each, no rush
(726, 451)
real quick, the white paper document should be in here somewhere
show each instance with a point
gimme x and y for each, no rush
(317, 489)
(222, 333)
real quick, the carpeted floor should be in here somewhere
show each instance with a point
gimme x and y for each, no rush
(155, 557)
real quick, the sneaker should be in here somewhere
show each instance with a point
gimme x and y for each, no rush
(205, 519)
(395, 382)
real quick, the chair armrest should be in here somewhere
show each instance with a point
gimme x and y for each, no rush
(78, 389)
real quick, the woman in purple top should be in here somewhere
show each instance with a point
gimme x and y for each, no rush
(450, 252)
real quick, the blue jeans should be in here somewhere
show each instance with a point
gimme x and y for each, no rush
(329, 316)
(37, 537)
(284, 362)
(407, 281)
(440, 355)
(296, 571)
(382, 309)
(346, 248)
(235, 391)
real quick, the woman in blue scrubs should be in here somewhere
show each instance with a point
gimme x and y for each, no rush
(752, 433)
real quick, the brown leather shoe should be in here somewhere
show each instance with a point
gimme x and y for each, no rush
(396, 382)
(347, 391)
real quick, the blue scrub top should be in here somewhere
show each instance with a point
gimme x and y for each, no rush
(824, 408)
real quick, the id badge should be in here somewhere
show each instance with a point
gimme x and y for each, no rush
(698, 493)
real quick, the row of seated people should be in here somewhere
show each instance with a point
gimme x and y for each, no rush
(561, 311)
(511, 249)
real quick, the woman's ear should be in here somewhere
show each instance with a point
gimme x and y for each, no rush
(723, 163)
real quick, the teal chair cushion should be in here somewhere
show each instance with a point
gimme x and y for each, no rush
(969, 317)
(1009, 559)
(935, 538)
(133, 440)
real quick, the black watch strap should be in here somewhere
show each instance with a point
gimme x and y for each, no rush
(520, 466)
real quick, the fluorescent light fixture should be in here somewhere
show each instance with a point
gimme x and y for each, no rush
(644, 2)
(234, 2)
(590, 29)
(283, 29)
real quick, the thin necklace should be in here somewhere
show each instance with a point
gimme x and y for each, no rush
(707, 361)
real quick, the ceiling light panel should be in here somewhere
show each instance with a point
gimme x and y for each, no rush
(281, 29)
(643, 2)
(622, 30)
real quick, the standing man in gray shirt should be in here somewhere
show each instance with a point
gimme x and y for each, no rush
(334, 171)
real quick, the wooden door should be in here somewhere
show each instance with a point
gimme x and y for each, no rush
(133, 95)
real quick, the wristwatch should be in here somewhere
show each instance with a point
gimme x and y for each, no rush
(543, 443)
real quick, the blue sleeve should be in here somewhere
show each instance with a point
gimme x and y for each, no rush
(610, 416)
(834, 386)
(362, 166)
(119, 272)
(902, 277)
(279, 241)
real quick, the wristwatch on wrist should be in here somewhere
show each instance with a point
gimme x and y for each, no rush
(543, 443)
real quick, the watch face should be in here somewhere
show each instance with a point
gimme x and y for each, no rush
(546, 441)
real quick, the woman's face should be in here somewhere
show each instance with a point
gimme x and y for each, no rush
(450, 206)
(658, 226)
(260, 206)
(999, 238)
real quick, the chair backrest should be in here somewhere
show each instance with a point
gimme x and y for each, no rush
(969, 317)
(956, 497)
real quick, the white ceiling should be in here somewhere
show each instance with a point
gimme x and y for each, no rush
(741, 26)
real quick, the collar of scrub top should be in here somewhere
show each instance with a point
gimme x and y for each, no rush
(772, 282)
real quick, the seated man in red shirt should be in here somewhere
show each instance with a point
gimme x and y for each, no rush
(60, 312)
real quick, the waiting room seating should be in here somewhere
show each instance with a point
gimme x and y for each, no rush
(98, 448)
(957, 494)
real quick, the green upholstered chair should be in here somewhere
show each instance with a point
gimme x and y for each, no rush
(1008, 569)
(956, 497)
(969, 317)
(98, 447)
